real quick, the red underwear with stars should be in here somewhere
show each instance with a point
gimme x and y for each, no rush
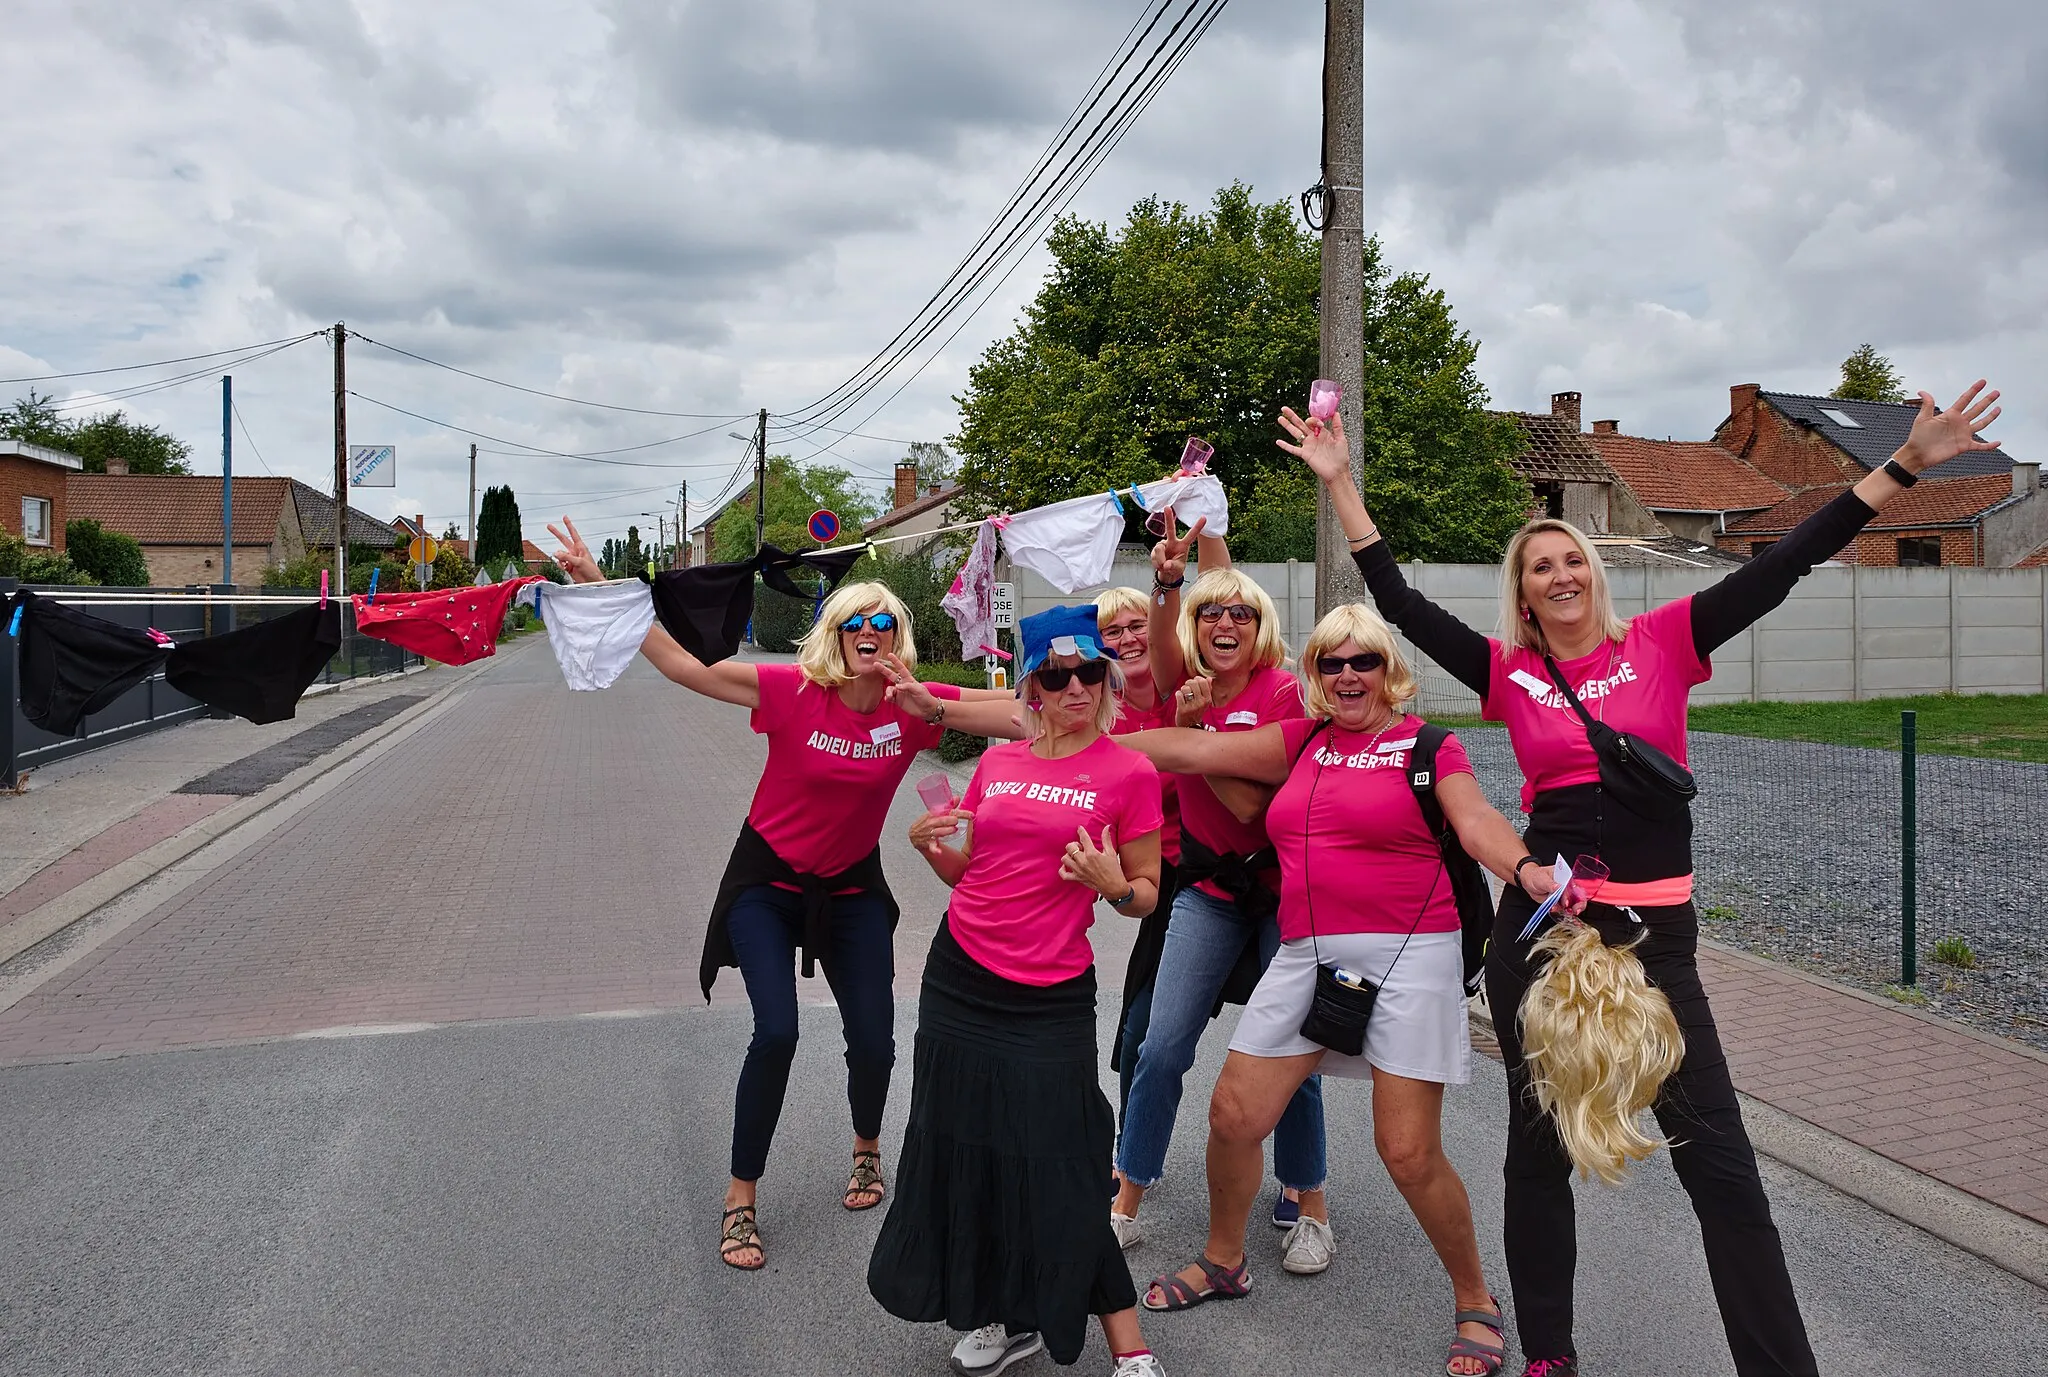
(452, 625)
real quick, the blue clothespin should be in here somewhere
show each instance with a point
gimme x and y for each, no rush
(1118, 500)
(1138, 498)
(14, 622)
(373, 587)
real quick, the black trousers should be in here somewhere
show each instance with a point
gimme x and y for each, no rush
(1698, 1113)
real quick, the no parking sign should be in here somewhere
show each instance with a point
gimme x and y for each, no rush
(824, 526)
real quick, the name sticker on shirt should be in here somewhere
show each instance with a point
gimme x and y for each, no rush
(1394, 747)
(1245, 718)
(1531, 685)
(888, 731)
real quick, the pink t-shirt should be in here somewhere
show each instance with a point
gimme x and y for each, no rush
(1011, 911)
(1135, 719)
(1271, 695)
(831, 771)
(1362, 860)
(1639, 686)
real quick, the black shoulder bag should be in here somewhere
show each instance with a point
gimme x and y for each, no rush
(1468, 882)
(1640, 777)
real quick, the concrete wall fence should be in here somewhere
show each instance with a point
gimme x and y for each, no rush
(1845, 632)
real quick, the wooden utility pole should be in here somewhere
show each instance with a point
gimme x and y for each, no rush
(761, 481)
(1343, 284)
(340, 459)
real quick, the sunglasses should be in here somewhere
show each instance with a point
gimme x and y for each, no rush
(880, 621)
(1054, 679)
(1333, 665)
(1239, 612)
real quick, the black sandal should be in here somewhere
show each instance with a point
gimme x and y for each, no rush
(1494, 1356)
(741, 1233)
(866, 1181)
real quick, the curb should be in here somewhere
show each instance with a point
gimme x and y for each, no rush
(46, 920)
(2010, 1242)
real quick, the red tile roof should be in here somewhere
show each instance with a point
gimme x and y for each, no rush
(890, 519)
(533, 554)
(1942, 502)
(173, 510)
(1685, 475)
(2037, 560)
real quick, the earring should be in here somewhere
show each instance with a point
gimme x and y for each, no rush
(1035, 705)
(1525, 613)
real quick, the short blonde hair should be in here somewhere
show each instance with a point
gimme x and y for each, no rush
(1112, 603)
(1354, 621)
(1517, 631)
(820, 655)
(1226, 586)
(1108, 707)
(1600, 1040)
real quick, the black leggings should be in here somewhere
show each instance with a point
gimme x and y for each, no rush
(1697, 1111)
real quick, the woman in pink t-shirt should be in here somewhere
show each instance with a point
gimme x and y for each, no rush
(1363, 888)
(997, 1225)
(806, 872)
(1634, 675)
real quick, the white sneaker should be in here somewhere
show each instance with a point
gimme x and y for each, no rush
(1310, 1247)
(991, 1348)
(1129, 1233)
(1140, 1365)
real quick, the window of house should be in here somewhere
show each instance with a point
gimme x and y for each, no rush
(1920, 552)
(35, 520)
(1757, 547)
(1550, 497)
(1841, 418)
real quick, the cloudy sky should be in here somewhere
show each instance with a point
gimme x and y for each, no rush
(710, 206)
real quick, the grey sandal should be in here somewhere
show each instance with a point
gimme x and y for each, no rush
(1494, 1356)
(1225, 1283)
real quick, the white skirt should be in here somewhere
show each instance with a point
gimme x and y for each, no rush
(1419, 1025)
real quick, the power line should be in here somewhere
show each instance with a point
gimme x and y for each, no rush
(164, 363)
(534, 391)
(250, 439)
(537, 452)
(94, 399)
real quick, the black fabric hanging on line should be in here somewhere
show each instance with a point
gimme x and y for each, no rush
(260, 671)
(707, 607)
(72, 664)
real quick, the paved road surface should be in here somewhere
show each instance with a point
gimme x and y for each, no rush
(539, 1194)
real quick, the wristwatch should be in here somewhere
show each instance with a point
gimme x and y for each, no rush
(1129, 895)
(1526, 860)
(1900, 474)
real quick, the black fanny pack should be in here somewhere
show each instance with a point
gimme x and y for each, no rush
(1634, 773)
(1340, 1012)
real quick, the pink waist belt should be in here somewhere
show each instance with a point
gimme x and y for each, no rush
(1647, 893)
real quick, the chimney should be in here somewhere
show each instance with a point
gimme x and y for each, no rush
(2026, 477)
(1606, 427)
(906, 485)
(1740, 427)
(116, 464)
(1565, 406)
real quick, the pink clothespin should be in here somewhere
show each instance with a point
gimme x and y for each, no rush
(159, 637)
(1002, 522)
(998, 652)
(323, 588)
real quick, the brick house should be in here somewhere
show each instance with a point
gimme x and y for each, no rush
(1980, 509)
(1571, 480)
(34, 501)
(530, 554)
(176, 520)
(1693, 487)
(914, 513)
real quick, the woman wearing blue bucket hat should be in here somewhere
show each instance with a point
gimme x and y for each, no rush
(997, 1224)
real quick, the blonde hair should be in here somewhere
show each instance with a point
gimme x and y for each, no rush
(1227, 586)
(1112, 603)
(1517, 631)
(1353, 621)
(1600, 1041)
(1108, 707)
(820, 655)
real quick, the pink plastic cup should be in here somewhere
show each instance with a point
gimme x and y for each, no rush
(936, 792)
(1588, 874)
(1195, 456)
(1323, 396)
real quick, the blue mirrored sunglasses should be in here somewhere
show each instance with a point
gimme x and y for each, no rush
(880, 621)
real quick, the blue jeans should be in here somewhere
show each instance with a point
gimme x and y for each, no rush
(1203, 940)
(1135, 1023)
(767, 926)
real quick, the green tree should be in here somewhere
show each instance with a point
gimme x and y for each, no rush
(635, 553)
(111, 557)
(1868, 376)
(1206, 324)
(936, 466)
(498, 534)
(793, 494)
(110, 434)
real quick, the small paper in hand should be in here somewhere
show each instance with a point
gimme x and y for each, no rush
(1561, 874)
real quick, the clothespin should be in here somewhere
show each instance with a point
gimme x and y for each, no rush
(159, 637)
(1118, 500)
(1138, 498)
(14, 622)
(373, 587)
(323, 588)
(998, 652)
(1000, 522)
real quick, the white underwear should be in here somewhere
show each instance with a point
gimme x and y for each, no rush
(596, 628)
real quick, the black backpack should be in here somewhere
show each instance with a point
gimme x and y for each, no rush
(1468, 881)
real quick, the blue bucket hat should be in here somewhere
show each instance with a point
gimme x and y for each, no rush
(1060, 631)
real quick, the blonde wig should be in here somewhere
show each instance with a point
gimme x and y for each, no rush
(1354, 621)
(1517, 630)
(1600, 1041)
(821, 656)
(1112, 603)
(1108, 704)
(1227, 586)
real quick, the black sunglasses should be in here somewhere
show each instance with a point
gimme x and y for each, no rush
(880, 621)
(1333, 665)
(1053, 678)
(1239, 612)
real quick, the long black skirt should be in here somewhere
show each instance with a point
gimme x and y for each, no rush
(1000, 1211)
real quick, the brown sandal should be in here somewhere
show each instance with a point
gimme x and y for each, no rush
(864, 1189)
(741, 1234)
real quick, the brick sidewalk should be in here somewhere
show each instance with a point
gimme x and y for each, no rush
(1964, 1108)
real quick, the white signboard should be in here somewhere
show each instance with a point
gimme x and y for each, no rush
(373, 466)
(1005, 604)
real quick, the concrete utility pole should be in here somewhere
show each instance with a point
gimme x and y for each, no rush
(682, 554)
(227, 480)
(340, 585)
(761, 482)
(1343, 285)
(472, 500)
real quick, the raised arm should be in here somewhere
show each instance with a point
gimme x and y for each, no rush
(1436, 633)
(988, 713)
(1162, 616)
(1759, 586)
(1258, 756)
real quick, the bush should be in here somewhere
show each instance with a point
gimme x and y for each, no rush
(19, 561)
(779, 620)
(956, 745)
(920, 579)
(111, 557)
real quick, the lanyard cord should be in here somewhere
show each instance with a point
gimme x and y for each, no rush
(1308, 889)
